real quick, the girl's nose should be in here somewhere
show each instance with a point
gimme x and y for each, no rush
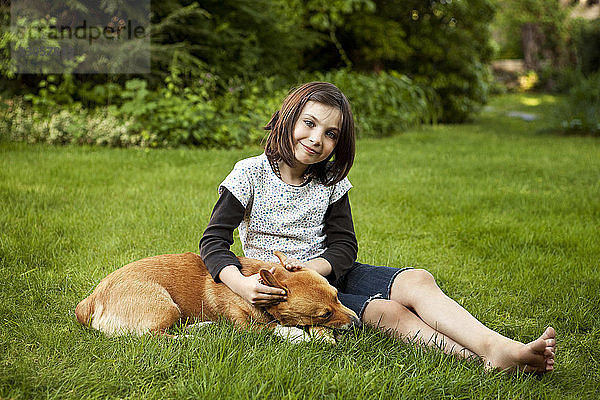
(315, 138)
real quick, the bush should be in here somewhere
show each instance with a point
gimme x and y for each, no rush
(177, 115)
(386, 103)
(451, 49)
(194, 116)
(579, 114)
(586, 45)
(444, 45)
(70, 126)
(174, 117)
(583, 57)
(558, 80)
(167, 117)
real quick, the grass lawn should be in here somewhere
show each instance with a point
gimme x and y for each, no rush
(504, 214)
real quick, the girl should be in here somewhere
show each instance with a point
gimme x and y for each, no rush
(294, 198)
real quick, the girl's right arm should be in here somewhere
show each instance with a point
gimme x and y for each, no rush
(250, 288)
(222, 264)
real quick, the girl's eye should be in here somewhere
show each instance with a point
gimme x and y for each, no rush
(309, 123)
(331, 135)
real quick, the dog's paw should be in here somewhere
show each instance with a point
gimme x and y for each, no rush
(180, 337)
(322, 334)
(292, 334)
(198, 325)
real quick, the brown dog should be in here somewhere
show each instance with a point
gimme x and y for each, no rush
(152, 294)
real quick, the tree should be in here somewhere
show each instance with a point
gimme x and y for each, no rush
(231, 38)
(444, 45)
(541, 26)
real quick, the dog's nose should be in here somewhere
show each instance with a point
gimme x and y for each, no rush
(355, 323)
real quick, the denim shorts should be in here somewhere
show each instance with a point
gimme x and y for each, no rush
(364, 283)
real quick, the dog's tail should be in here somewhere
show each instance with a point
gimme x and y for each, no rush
(84, 311)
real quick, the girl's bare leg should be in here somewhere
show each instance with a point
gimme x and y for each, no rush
(417, 290)
(395, 319)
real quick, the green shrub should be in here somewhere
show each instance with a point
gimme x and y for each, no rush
(444, 45)
(177, 115)
(558, 79)
(190, 116)
(174, 117)
(586, 44)
(583, 57)
(75, 125)
(167, 117)
(386, 103)
(16, 119)
(383, 104)
(580, 112)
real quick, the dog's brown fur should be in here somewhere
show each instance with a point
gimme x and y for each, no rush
(152, 294)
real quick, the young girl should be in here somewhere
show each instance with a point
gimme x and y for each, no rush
(294, 198)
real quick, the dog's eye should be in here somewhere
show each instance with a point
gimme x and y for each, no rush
(327, 315)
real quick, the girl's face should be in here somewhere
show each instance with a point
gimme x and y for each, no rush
(316, 132)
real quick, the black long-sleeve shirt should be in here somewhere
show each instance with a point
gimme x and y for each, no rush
(341, 245)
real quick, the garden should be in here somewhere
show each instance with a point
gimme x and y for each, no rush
(490, 184)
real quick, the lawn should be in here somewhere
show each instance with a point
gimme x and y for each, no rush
(504, 213)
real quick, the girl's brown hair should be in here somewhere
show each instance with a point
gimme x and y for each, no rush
(280, 140)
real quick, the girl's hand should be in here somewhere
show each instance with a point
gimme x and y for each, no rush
(292, 264)
(318, 264)
(254, 291)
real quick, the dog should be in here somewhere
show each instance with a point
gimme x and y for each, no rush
(152, 294)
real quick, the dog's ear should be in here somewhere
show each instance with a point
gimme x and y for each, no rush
(281, 257)
(270, 280)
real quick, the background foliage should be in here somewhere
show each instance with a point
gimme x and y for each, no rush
(180, 115)
(221, 68)
(580, 114)
(444, 45)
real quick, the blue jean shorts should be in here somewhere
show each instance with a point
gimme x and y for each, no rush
(364, 283)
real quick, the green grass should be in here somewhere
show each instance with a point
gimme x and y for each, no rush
(504, 215)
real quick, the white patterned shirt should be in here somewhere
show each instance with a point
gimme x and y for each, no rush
(280, 216)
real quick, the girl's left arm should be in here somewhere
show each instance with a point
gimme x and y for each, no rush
(320, 265)
(341, 243)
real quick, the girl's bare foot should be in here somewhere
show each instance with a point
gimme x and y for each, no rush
(536, 356)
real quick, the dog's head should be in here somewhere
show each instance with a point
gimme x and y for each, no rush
(311, 300)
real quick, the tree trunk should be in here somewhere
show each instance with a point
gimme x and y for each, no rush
(531, 42)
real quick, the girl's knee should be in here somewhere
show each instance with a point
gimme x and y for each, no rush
(388, 313)
(414, 278)
(418, 276)
(408, 284)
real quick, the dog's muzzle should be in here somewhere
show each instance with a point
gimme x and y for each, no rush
(354, 323)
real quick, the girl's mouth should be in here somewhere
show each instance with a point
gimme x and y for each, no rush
(309, 150)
